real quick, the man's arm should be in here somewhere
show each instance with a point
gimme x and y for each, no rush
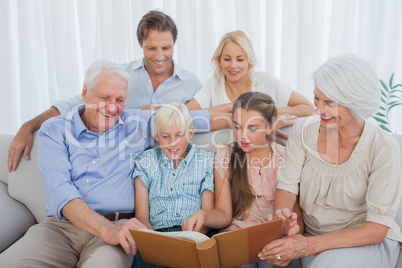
(81, 215)
(22, 141)
(220, 120)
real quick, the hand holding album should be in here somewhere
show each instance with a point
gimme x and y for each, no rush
(194, 249)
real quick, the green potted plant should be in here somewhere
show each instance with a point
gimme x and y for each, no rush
(389, 100)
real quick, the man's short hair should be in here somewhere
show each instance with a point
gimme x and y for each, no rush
(172, 114)
(155, 20)
(98, 67)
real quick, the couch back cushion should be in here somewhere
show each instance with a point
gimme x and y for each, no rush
(25, 184)
(5, 141)
(398, 217)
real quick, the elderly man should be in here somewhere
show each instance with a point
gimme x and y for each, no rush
(85, 160)
(156, 80)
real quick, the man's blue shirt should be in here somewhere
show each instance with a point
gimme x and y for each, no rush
(77, 163)
(180, 87)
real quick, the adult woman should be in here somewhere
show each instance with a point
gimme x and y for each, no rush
(348, 171)
(234, 63)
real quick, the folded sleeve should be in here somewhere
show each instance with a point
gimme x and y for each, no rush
(384, 182)
(64, 106)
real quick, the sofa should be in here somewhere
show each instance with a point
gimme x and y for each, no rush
(22, 201)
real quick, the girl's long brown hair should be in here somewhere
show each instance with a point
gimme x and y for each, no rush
(242, 195)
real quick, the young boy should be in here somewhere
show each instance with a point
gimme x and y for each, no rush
(175, 179)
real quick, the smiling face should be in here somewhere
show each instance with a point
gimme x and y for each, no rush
(331, 113)
(158, 52)
(234, 62)
(105, 102)
(173, 142)
(250, 130)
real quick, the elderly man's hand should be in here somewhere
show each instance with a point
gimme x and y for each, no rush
(22, 142)
(120, 234)
(150, 107)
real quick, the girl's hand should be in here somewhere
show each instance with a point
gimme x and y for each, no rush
(195, 222)
(289, 223)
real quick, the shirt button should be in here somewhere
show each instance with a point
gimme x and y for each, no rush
(87, 180)
(171, 189)
(93, 162)
(173, 174)
(177, 214)
(184, 184)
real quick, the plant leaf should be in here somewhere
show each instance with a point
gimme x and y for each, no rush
(383, 101)
(385, 128)
(384, 85)
(382, 92)
(380, 114)
(392, 103)
(394, 91)
(382, 108)
(397, 85)
(380, 120)
(391, 79)
(392, 106)
(394, 96)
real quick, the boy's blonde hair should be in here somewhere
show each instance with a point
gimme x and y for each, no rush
(172, 113)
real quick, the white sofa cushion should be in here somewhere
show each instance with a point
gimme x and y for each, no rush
(25, 185)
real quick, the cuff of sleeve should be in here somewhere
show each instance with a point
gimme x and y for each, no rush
(292, 188)
(201, 120)
(380, 219)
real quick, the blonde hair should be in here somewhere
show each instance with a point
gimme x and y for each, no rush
(242, 40)
(172, 113)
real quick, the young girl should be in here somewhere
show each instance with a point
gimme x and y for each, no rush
(245, 171)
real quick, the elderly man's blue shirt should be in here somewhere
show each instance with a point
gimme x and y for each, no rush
(77, 163)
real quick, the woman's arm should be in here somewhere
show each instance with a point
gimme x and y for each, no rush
(142, 203)
(193, 105)
(299, 246)
(223, 108)
(220, 216)
(298, 105)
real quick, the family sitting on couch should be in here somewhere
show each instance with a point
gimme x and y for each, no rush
(337, 187)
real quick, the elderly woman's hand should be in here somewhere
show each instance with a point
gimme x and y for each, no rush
(282, 251)
(289, 223)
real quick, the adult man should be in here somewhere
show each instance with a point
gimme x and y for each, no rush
(156, 80)
(85, 159)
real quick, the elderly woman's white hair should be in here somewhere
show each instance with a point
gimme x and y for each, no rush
(351, 81)
(97, 67)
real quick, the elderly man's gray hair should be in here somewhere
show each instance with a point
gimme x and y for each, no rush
(351, 81)
(98, 67)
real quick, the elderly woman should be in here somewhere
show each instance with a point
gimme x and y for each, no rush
(346, 173)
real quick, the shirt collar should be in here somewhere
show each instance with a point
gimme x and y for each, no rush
(191, 151)
(177, 71)
(79, 126)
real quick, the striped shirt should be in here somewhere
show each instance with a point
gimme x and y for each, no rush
(174, 194)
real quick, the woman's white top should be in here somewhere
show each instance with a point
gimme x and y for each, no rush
(214, 94)
(365, 188)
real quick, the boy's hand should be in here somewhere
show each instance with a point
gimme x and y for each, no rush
(195, 222)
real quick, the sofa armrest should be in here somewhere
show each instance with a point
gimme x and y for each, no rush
(15, 219)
